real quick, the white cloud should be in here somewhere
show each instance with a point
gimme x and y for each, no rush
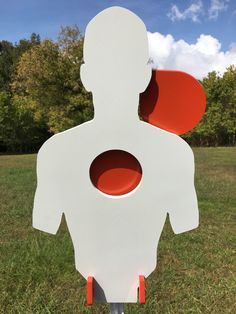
(192, 12)
(216, 7)
(204, 56)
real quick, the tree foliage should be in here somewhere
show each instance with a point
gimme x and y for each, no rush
(49, 74)
(9, 56)
(218, 126)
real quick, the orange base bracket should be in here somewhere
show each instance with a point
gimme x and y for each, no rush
(142, 294)
(90, 291)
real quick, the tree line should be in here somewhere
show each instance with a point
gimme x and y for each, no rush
(41, 94)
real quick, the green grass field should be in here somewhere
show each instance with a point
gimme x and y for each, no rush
(195, 271)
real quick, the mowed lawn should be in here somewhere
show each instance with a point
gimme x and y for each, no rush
(195, 271)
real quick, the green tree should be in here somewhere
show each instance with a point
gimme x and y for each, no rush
(6, 63)
(20, 129)
(9, 56)
(6, 120)
(29, 129)
(49, 74)
(218, 126)
(228, 99)
(69, 36)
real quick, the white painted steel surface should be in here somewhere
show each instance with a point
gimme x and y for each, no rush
(115, 237)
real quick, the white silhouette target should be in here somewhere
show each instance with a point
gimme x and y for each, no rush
(115, 237)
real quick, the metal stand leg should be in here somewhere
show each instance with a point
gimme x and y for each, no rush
(116, 308)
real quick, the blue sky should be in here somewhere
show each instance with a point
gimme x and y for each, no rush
(19, 18)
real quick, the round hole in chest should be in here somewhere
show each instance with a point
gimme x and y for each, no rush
(115, 172)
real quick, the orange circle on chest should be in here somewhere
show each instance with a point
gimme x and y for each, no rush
(115, 172)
